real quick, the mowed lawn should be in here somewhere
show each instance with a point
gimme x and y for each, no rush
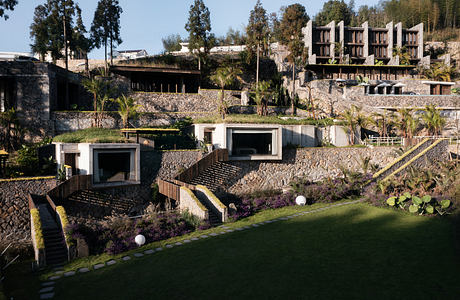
(349, 252)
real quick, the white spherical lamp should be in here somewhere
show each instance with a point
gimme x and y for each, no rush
(139, 239)
(301, 200)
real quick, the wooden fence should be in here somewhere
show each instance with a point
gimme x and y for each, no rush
(201, 165)
(171, 188)
(65, 189)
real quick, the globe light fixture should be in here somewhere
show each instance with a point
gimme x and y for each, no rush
(139, 239)
(301, 200)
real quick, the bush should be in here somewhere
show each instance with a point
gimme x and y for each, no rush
(118, 236)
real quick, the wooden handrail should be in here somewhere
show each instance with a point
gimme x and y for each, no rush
(65, 189)
(197, 168)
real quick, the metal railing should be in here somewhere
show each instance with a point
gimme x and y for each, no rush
(388, 140)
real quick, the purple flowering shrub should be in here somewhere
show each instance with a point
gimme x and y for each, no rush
(250, 204)
(118, 236)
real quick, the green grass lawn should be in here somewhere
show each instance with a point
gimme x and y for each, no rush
(349, 252)
(91, 135)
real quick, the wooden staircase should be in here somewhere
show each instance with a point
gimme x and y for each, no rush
(217, 176)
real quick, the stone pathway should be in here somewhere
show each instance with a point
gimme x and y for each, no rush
(47, 288)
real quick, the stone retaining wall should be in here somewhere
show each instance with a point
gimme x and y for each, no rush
(14, 207)
(204, 101)
(310, 163)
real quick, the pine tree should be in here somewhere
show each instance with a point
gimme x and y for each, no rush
(82, 44)
(6, 5)
(39, 31)
(257, 33)
(105, 29)
(293, 20)
(199, 29)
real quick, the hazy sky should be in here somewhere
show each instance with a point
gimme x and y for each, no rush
(145, 22)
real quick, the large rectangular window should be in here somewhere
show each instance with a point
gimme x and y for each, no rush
(251, 143)
(113, 166)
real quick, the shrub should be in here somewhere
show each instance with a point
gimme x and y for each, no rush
(118, 235)
(423, 205)
(40, 242)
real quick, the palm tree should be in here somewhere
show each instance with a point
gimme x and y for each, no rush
(404, 57)
(127, 108)
(10, 122)
(433, 120)
(440, 71)
(222, 77)
(96, 87)
(262, 94)
(407, 123)
(382, 121)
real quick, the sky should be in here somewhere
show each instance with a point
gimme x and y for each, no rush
(145, 22)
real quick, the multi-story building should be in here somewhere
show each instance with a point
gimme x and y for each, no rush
(362, 45)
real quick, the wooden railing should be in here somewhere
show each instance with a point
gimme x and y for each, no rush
(65, 189)
(201, 165)
(70, 186)
(171, 188)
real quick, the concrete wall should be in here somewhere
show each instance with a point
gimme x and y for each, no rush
(188, 201)
(309, 163)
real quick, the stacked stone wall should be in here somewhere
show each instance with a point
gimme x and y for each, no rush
(310, 163)
(14, 207)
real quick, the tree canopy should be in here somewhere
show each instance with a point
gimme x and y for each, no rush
(334, 10)
(258, 29)
(293, 20)
(199, 29)
(105, 29)
(172, 43)
(52, 27)
(6, 5)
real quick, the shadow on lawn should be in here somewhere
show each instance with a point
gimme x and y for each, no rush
(356, 252)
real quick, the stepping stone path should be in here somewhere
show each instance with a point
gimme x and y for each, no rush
(47, 296)
(125, 258)
(54, 277)
(58, 272)
(178, 244)
(204, 236)
(187, 241)
(194, 239)
(213, 234)
(48, 283)
(98, 266)
(47, 292)
(169, 246)
(111, 262)
(138, 254)
(68, 274)
(150, 251)
(46, 289)
(159, 249)
(83, 270)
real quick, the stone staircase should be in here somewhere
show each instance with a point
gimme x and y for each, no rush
(55, 246)
(101, 199)
(417, 155)
(217, 176)
(214, 219)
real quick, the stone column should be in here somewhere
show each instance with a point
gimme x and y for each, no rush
(308, 41)
(365, 26)
(419, 29)
(389, 26)
(399, 35)
(332, 39)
